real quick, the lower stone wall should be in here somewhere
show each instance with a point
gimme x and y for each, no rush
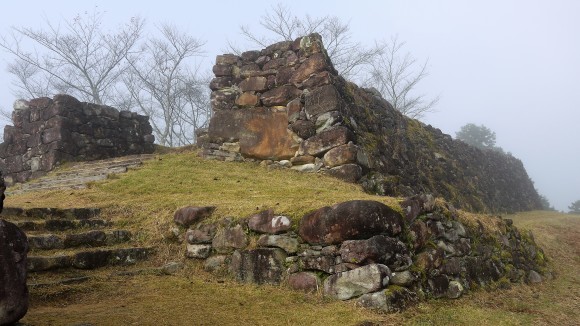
(383, 258)
(47, 132)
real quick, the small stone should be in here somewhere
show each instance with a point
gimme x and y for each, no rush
(171, 268)
(247, 99)
(404, 278)
(534, 277)
(189, 215)
(455, 290)
(230, 238)
(267, 222)
(305, 281)
(288, 244)
(199, 251)
(215, 263)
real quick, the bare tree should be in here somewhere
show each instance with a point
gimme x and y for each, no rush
(162, 85)
(155, 76)
(395, 75)
(383, 66)
(77, 58)
(348, 57)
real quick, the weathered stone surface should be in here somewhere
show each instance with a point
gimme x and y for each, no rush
(13, 263)
(224, 99)
(304, 281)
(326, 140)
(257, 84)
(404, 278)
(189, 215)
(327, 120)
(227, 59)
(220, 83)
(379, 249)
(230, 238)
(356, 282)
(288, 244)
(263, 265)
(316, 80)
(321, 100)
(321, 263)
(455, 290)
(340, 155)
(262, 133)
(222, 70)
(534, 277)
(417, 205)
(305, 159)
(351, 220)
(308, 167)
(247, 99)
(393, 299)
(294, 108)
(419, 234)
(303, 128)
(438, 285)
(216, 263)
(347, 172)
(198, 251)
(250, 70)
(280, 95)
(314, 64)
(267, 222)
(202, 234)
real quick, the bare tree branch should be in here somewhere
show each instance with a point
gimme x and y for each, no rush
(77, 58)
(395, 76)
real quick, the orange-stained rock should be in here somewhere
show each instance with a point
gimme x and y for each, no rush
(322, 142)
(343, 154)
(247, 99)
(262, 132)
(257, 84)
(351, 220)
(316, 63)
(280, 95)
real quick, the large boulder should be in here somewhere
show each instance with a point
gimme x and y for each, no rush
(13, 251)
(351, 220)
(13, 290)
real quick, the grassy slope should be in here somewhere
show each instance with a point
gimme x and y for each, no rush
(144, 201)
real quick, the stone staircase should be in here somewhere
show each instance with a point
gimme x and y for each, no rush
(78, 175)
(65, 243)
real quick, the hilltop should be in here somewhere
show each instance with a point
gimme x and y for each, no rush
(144, 200)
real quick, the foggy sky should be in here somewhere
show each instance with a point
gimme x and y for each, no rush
(513, 66)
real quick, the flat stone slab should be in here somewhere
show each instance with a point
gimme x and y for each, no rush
(61, 225)
(89, 259)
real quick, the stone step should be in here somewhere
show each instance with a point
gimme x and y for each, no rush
(64, 281)
(78, 175)
(89, 259)
(57, 225)
(16, 213)
(93, 238)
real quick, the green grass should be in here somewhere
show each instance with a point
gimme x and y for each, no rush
(144, 200)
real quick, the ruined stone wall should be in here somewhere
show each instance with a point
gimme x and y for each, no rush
(287, 104)
(382, 257)
(47, 132)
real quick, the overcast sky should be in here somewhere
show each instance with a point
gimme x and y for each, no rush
(513, 66)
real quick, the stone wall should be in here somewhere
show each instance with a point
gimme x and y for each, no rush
(382, 257)
(286, 104)
(47, 132)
